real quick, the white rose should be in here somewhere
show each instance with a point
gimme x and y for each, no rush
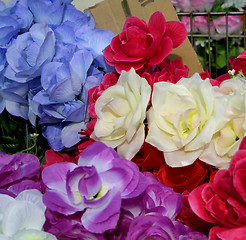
(181, 120)
(121, 111)
(232, 129)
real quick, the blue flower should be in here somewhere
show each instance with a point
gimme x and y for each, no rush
(47, 11)
(9, 28)
(21, 13)
(12, 94)
(30, 52)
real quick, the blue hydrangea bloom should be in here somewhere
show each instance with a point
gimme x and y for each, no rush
(53, 57)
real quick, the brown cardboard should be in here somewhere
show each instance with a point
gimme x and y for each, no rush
(111, 15)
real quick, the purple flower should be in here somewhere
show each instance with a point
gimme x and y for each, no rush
(30, 52)
(17, 167)
(68, 227)
(156, 226)
(96, 186)
(160, 198)
(156, 198)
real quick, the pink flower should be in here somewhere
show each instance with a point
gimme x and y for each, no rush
(183, 5)
(235, 24)
(141, 45)
(223, 202)
(193, 5)
(201, 24)
(202, 5)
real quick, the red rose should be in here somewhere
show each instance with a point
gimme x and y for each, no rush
(184, 178)
(149, 158)
(141, 44)
(223, 202)
(167, 71)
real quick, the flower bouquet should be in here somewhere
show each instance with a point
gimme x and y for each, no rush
(137, 149)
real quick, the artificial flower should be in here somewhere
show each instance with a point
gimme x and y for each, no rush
(96, 186)
(239, 63)
(9, 29)
(121, 111)
(193, 5)
(29, 53)
(94, 93)
(156, 226)
(68, 227)
(141, 44)
(181, 120)
(160, 198)
(23, 217)
(228, 192)
(232, 129)
(47, 11)
(149, 158)
(234, 26)
(184, 178)
(190, 219)
(167, 71)
(17, 167)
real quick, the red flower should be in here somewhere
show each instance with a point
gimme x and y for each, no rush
(223, 202)
(149, 158)
(239, 63)
(94, 93)
(184, 178)
(52, 156)
(167, 71)
(141, 44)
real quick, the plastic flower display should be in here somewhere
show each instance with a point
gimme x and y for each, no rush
(139, 149)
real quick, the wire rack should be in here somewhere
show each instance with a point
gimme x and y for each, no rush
(193, 35)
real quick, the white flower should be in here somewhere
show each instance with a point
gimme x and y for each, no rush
(23, 217)
(235, 85)
(121, 111)
(181, 119)
(232, 129)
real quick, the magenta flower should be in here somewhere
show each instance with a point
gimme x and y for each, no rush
(156, 226)
(18, 167)
(96, 186)
(141, 44)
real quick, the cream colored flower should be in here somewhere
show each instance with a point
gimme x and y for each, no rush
(121, 111)
(181, 120)
(232, 129)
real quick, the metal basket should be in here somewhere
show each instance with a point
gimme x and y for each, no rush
(193, 36)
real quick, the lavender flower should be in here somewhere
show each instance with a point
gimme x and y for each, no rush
(96, 186)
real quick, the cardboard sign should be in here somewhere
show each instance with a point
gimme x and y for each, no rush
(111, 15)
